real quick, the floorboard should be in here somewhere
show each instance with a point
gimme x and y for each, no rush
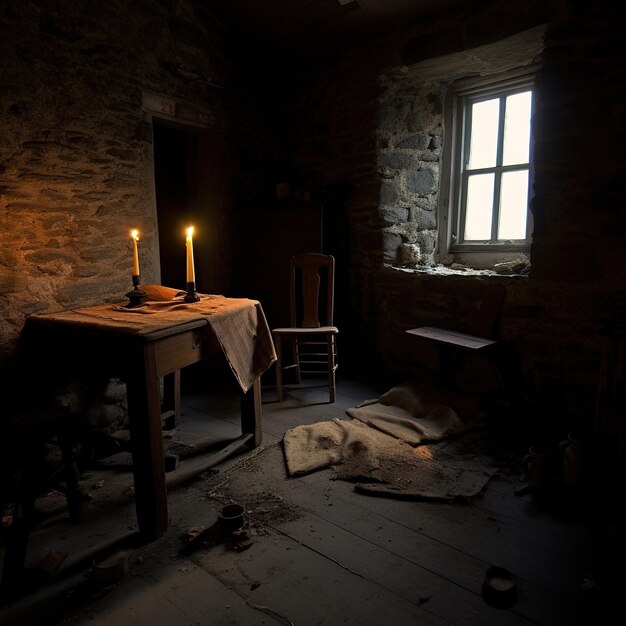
(308, 587)
(395, 530)
(323, 554)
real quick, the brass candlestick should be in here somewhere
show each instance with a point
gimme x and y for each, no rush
(136, 296)
(192, 294)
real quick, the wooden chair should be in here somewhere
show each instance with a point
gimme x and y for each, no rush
(312, 335)
(479, 339)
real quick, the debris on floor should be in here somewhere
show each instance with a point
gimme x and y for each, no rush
(228, 528)
(201, 537)
(499, 587)
(111, 569)
(52, 561)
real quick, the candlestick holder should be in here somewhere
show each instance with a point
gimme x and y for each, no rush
(192, 294)
(136, 296)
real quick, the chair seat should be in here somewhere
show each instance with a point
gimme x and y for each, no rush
(321, 330)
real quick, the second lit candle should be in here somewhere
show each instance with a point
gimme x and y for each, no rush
(191, 274)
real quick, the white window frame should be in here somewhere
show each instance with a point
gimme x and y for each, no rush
(451, 207)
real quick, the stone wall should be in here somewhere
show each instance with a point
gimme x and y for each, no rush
(556, 317)
(411, 136)
(76, 155)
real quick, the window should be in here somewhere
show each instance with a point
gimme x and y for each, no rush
(489, 160)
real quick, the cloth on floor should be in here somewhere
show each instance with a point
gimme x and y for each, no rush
(380, 464)
(414, 412)
(407, 443)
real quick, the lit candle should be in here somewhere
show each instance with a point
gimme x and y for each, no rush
(135, 235)
(191, 274)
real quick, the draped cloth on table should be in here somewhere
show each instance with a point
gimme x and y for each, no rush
(239, 325)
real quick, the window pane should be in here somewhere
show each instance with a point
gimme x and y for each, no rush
(484, 134)
(517, 129)
(513, 205)
(479, 207)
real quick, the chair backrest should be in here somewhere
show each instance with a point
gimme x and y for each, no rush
(312, 287)
(485, 320)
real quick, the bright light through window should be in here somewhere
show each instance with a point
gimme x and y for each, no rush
(484, 139)
(479, 207)
(517, 129)
(513, 205)
(497, 171)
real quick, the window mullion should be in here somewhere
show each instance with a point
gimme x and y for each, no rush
(467, 133)
(460, 238)
(495, 214)
(495, 211)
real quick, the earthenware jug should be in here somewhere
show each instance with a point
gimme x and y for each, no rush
(577, 452)
(537, 463)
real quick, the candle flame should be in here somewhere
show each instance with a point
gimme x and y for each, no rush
(190, 231)
(134, 234)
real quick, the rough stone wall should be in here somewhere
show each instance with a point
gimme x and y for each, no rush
(410, 140)
(76, 156)
(556, 316)
(76, 164)
(411, 135)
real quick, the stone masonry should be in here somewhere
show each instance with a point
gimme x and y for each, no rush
(76, 158)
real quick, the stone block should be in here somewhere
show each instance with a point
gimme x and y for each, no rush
(396, 161)
(424, 219)
(9, 281)
(394, 215)
(391, 243)
(415, 142)
(409, 254)
(388, 193)
(419, 181)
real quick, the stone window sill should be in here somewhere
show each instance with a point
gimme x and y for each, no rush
(443, 270)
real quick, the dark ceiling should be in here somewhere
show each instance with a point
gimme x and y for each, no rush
(313, 27)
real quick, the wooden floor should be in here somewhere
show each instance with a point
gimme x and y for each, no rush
(323, 554)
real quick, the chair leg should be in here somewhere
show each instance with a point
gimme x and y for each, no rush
(296, 359)
(331, 368)
(70, 475)
(279, 368)
(74, 497)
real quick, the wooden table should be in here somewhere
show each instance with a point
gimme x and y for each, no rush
(144, 354)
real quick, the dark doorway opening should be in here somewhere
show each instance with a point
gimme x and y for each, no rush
(174, 173)
(190, 191)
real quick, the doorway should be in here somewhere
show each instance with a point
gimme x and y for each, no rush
(174, 163)
(191, 190)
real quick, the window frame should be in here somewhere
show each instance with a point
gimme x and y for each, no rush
(453, 182)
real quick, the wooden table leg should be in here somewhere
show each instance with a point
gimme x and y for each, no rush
(144, 416)
(170, 415)
(251, 413)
